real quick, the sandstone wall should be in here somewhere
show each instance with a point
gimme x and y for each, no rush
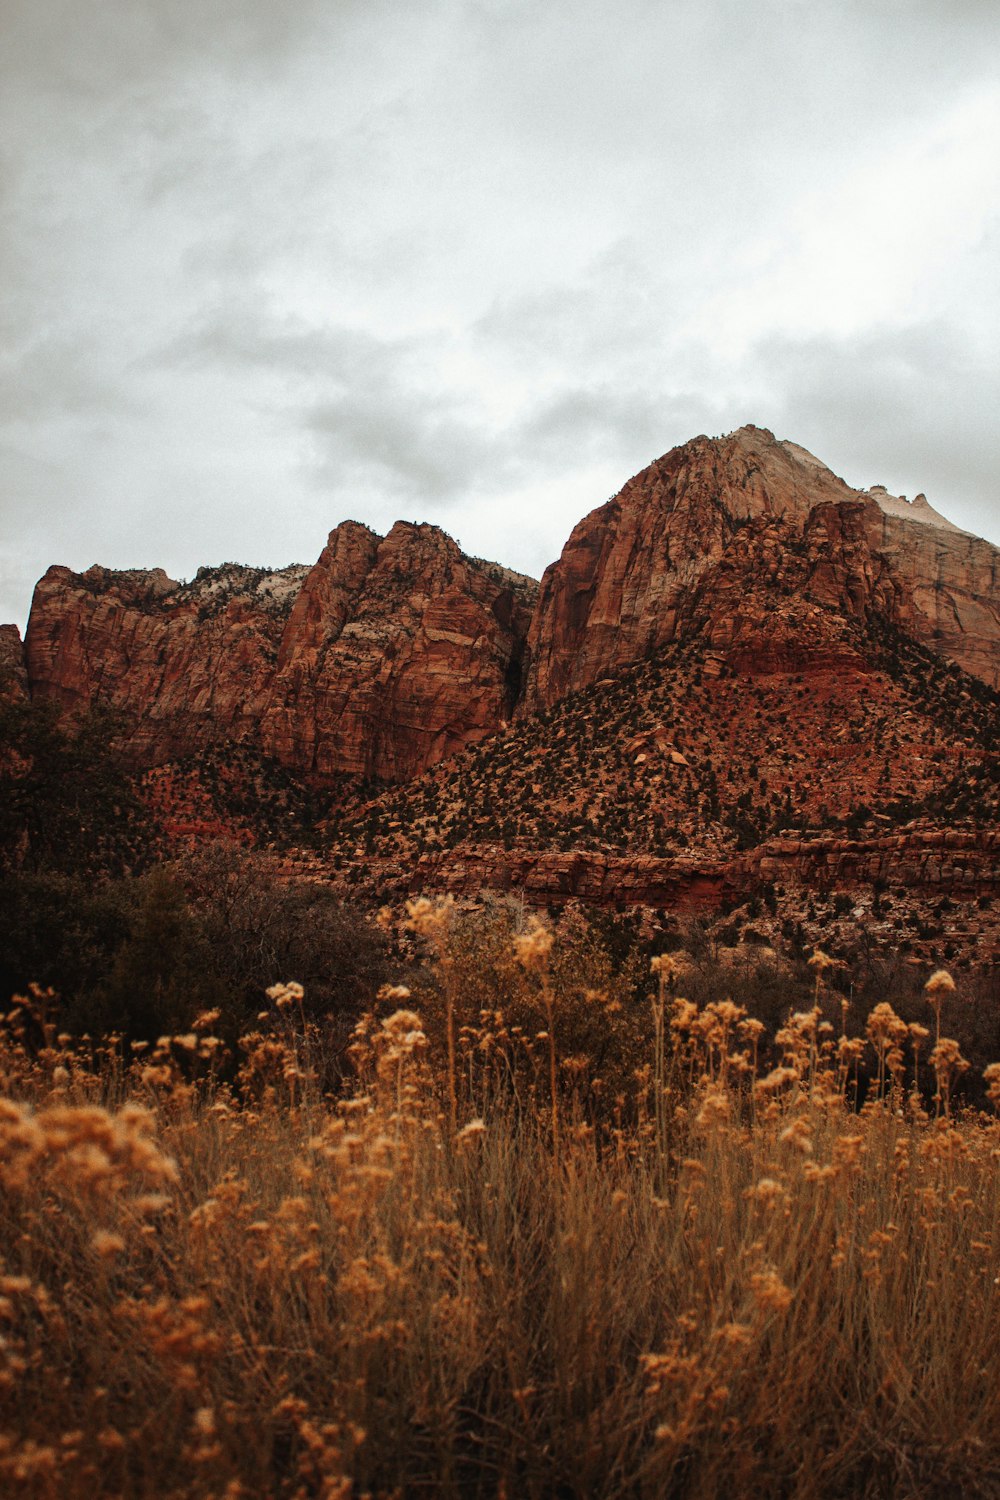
(953, 863)
(756, 545)
(385, 656)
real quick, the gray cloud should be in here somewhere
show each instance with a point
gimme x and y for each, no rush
(478, 261)
(385, 421)
(89, 49)
(913, 408)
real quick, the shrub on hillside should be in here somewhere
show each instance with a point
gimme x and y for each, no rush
(141, 956)
(67, 803)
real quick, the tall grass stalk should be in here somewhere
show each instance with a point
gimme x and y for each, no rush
(241, 1289)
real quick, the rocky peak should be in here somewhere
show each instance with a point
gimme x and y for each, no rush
(753, 473)
(423, 554)
(744, 538)
(422, 537)
(400, 651)
(141, 586)
(323, 603)
(918, 509)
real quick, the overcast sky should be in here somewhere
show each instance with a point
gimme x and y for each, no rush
(267, 264)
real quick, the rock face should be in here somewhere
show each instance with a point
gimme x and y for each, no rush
(13, 676)
(954, 580)
(757, 546)
(184, 664)
(392, 653)
(388, 654)
(398, 652)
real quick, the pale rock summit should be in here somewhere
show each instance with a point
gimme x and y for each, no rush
(918, 509)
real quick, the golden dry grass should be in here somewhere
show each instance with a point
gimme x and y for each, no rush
(447, 1281)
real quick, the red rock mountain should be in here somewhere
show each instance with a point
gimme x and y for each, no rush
(756, 546)
(397, 652)
(391, 654)
(387, 655)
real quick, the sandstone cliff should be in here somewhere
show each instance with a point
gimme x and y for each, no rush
(388, 654)
(13, 676)
(398, 652)
(757, 546)
(185, 664)
(392, 653)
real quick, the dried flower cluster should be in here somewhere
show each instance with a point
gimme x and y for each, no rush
(459, 1276)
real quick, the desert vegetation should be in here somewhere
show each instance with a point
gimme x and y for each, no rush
(541, 1224)
(681, 752)
(137, 954)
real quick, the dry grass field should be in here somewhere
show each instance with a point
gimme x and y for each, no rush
(477, 1268)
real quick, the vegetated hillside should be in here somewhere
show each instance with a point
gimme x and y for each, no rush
(236, 795)
(68, 804)
(682, 752)
(72, 803)
(683, 764)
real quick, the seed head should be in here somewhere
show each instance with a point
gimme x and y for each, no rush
(429, 919)
(285, 994)
(394, 992)
(107, 1244)
(533, 947)
(992, 1077)
(770, 1292)
(820, 961)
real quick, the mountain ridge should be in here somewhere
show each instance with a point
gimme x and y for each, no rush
(640, 570)
(391, 653)
(745, 691)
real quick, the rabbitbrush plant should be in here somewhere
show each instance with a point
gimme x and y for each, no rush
(459, 1277)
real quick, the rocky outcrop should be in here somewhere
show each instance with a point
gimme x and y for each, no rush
(384, 657)
(387, 655)
(398, 652)
(757, 546)
(183, 664)
(13, 675)
(938, 862)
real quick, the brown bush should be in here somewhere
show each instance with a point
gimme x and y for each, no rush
(255, 1290)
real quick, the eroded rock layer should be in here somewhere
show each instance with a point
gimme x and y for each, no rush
(757, 546)
(385, 656)
(959, 863)
(392, 653)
